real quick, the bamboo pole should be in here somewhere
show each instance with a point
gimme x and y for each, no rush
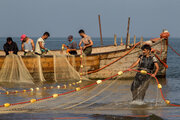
(99, 17)
(115, 40)
(127, 32)
(122, 41)
(134, 39)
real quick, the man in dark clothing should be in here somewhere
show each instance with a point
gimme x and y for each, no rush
(10, 47)
(141, 82)
(71, 48)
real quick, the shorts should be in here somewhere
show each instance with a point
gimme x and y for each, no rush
(88, 50)
(73, 52)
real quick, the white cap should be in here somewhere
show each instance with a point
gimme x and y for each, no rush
(165, 30)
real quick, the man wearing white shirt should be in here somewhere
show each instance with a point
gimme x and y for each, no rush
(40, 48)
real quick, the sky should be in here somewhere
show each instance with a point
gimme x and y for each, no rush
(64, 17)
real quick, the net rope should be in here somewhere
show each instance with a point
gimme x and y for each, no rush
(109, 94)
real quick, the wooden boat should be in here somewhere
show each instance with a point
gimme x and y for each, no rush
(101, 56)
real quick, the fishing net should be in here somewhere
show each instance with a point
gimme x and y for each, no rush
(63, 70)
(83, 67)
(33, 63)
(109, 95)
(14, 70)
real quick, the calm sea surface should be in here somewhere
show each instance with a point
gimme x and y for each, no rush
(171, 89)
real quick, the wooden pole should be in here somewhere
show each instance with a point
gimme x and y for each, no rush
(134, 39)
(115, 39)
(128, 39)
(127, 32)
(99, 17)
(122, 41)
(141, 40)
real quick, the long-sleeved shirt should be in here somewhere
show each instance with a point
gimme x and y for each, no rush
(10, 47)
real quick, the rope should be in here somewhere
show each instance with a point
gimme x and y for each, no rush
(162, 62)
(165, 65)
(89, 98)
(173, 50)
(64, 86)
(160, 88)
(78, 89)
(115, 60)
(81, 72)
(101, 99)
(97, 82)
(161, 48)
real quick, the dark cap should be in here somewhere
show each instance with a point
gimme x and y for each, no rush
(70, 37)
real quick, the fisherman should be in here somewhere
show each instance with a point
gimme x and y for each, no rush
(10, 47)
(40, 44)
(86, 40)
(146, 62)
(72, 47)
(164, 35)
(27, 45)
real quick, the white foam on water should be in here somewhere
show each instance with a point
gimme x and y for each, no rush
(137, 102)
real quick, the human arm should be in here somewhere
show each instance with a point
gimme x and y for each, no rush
(6, 49)
(80, 44)
(157, 69)
(90, 44)
(41, 46)
(135, 63)
(63, 45)
(15, 48)
(33, 46)
(22, 46)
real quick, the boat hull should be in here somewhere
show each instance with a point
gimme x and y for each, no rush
(98, 60)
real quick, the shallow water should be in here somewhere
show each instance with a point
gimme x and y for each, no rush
(108, 101)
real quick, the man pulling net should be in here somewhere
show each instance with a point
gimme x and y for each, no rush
(146, 62)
